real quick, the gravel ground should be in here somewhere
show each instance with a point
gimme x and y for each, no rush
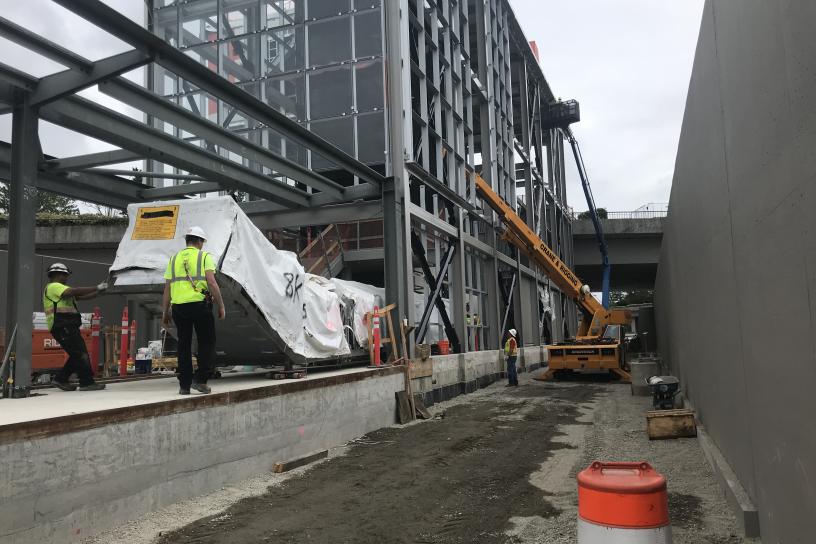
(498, 466)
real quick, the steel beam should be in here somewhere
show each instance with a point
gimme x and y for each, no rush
(22, 219)
(102, 123)
(108, 191)
(32, 41)
(435, 283)
(180, 190)
(70, 81)
(446, 192)
(146, 101)
(179, 63)
(16, 79)
(142, 174)
(323, 215)
(83, 162)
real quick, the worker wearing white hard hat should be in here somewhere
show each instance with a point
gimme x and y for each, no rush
(190, 287)
(511, 351)
(64, 322)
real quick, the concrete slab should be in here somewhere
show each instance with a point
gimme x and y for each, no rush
(50, 403)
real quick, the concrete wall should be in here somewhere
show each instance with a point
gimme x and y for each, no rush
(736, 287)
(65, 487)
(454, 375)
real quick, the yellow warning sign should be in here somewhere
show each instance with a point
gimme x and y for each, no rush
(155, 223)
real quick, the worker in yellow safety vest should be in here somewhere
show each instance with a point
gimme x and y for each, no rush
(191, 288)
(64, 322)
(511, 351)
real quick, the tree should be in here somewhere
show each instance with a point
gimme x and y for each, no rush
(50, 203)
(602, 214)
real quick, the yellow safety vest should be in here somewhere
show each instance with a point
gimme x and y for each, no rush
(186, 272)
(511, 349)
(53, 303)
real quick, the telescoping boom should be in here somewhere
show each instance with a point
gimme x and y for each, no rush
(598, 342)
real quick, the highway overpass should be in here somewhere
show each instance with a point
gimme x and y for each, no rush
(634, 249)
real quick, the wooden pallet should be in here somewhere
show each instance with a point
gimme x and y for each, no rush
(283, 374)
(661, 424)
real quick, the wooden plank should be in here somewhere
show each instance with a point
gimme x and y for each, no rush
(422, 411)
(289, 465)
(403, 407)
(661, 424)
(421, 369)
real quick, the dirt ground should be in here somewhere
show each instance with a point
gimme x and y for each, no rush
(496, 466)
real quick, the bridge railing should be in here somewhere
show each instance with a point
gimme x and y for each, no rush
(640, 214)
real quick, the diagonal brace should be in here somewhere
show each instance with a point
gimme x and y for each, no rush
(435, 283)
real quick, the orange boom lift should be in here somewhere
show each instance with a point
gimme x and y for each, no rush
(598, 344)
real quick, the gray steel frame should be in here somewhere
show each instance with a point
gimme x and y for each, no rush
(461, 80)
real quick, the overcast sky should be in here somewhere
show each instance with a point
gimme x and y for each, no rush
(628, 62)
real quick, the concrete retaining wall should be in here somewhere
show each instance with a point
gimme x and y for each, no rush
(454, 375)
(736, 287)
(65, 487)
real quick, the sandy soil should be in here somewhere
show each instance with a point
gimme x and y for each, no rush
(496, 466)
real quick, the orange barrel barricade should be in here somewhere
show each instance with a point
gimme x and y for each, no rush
(95, 339)
(123, 352)
(622, 503)
(376, 334)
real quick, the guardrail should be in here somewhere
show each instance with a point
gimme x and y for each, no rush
(651, 214)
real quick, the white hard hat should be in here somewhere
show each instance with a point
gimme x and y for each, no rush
(58, 267)
(198, 232)
(512, 332)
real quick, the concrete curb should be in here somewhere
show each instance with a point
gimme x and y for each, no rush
(744, 510)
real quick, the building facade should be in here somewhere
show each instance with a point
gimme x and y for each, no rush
(427, 93)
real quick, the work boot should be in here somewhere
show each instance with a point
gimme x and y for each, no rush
(183, 391)
(65, 386)
(202, 388)
(92, 387)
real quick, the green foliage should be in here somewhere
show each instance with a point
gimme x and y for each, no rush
(625, 298)
(50, 203)
(54, 220)
(601, 214)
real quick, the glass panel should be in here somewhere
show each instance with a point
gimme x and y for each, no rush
(283, 50)
(165, 82)
(330, 41)
(283, 12)
(326, 8)
(206, 54)
(198, 23)
(288, 94)
(365, 4)
(240, 17)
(166, 25)
(371, 138)
(339, 132)
(239, 59)
(369, 85)
(330, 92)
(202, 104)
(368, 35)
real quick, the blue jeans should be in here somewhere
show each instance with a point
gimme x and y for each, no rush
(512, 374)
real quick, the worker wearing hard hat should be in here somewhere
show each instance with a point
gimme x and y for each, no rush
(191, 288)
(64, 322)
(511, 351)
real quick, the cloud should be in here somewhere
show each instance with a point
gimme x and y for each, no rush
(628, 62)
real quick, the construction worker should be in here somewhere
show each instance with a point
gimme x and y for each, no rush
(511, 351)
(64, 322)
(191, 288)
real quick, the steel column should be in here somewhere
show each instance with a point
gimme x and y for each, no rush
(399, 278)
(21, 287)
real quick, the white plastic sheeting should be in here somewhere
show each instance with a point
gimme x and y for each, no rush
(303, 309)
